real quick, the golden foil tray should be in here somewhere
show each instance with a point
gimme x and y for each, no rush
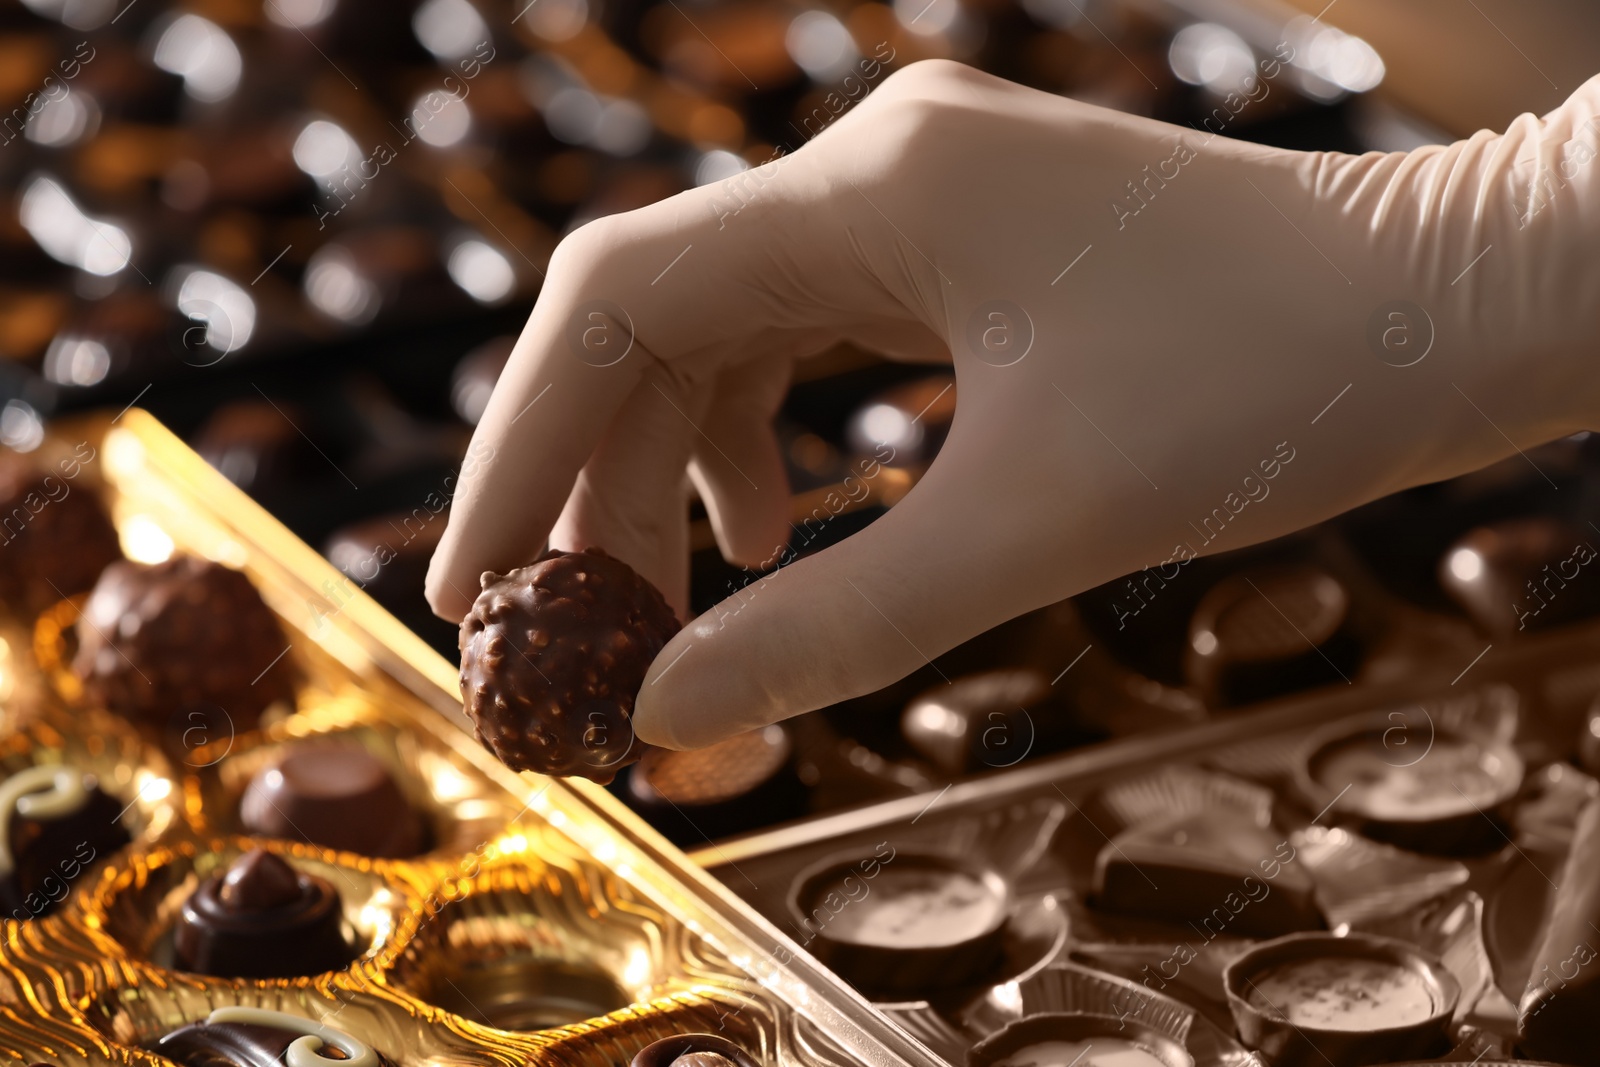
(547, 925)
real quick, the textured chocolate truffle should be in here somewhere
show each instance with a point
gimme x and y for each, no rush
(255, 1037)
(188, 633)
(552, 657)
(261, 918)
(55, 537)
(57, 823)
(334, 794)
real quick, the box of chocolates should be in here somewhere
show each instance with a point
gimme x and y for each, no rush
(245, 825)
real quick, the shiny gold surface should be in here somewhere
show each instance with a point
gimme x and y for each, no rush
(542, 903)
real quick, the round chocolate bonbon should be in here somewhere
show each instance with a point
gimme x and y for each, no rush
(158, 640)
(55, 536)
(552, 657)
(1269, 631)
(335, 794)
(54, 822)
(261, 918)
(257, 1037)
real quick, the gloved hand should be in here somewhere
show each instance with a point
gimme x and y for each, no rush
(1167, 343)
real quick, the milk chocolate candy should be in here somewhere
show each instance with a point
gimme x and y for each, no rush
(1270, 631)
(552, 657)
(1557, 1015)
(261, 918)
(335, 794)
(726, 788)
(155, 641)
(55, 536)
(57, 822)
(1211, 869)
(256, 1037)
(1524, 575)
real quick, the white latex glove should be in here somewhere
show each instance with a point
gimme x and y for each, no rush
(1165, 343)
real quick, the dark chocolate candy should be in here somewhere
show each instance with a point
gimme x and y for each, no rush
(1522, 575)
(1556, 1018)
(188, 633)
(262, 918)
(989, 719)
(256, 1037)
(726, 788)
(693, 1050)
(335, 794)
(1211, 869)
(57, 823)
(257, 446)
(1270, 631)
(55, 537)
(552, 657)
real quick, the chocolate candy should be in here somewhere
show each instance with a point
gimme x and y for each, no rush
(897, 926)
(255, 1037)
(734, 785)
(56, 821)
(334, 794)
(552, 657)
(1270, 631)
(1523, 575)
(693, 1050)
(990, 719)
(156, 641)
(261, 918)
(55, 537)
(1556, 1017)
(1211, 869)
(256, 446)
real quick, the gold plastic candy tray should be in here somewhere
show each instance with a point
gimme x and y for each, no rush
(545, 906)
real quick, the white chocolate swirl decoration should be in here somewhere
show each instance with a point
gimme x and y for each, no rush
(303, 1052)
(37, 793)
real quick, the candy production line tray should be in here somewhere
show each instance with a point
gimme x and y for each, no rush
(544, 905)
(1471, 892)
